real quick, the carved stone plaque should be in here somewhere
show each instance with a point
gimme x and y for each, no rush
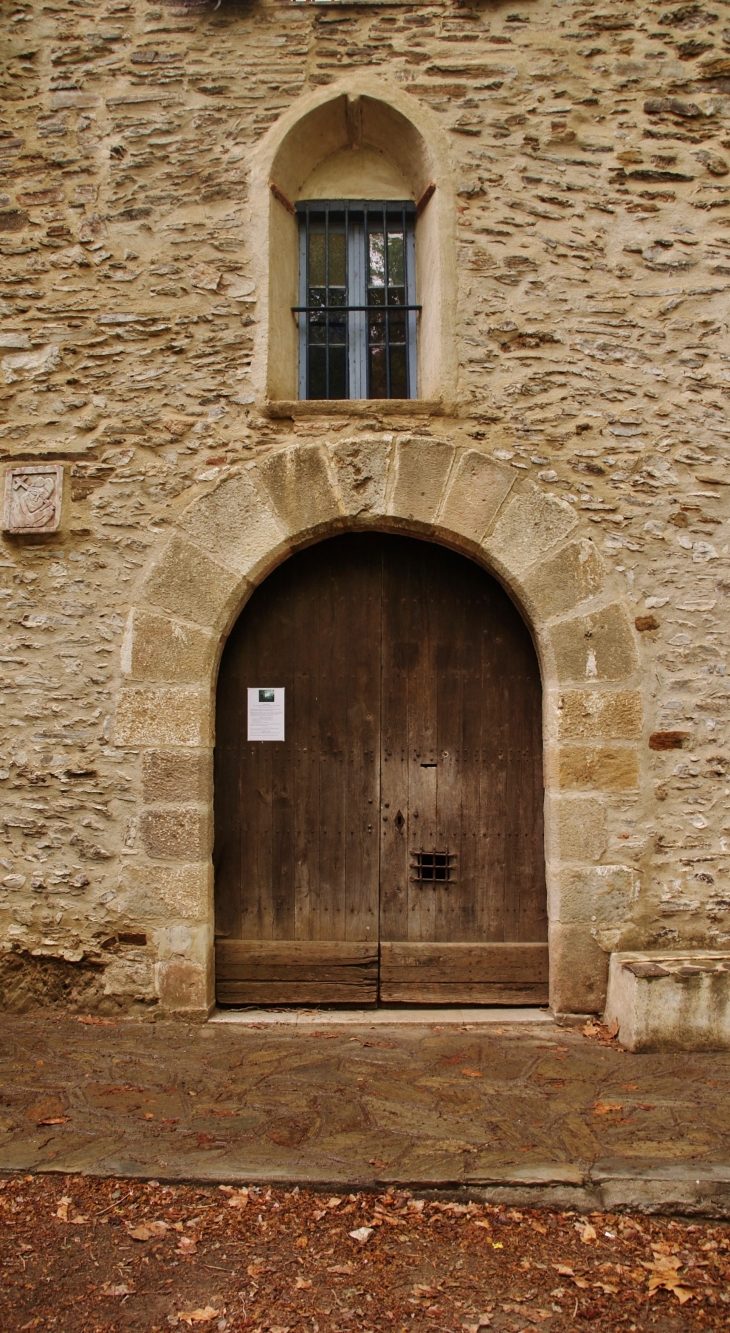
(33, 497)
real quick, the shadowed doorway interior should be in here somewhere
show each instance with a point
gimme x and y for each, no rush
(390, 847)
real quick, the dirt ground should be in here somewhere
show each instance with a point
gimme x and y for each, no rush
(87, 1255)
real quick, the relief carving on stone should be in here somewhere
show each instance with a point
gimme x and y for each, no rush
(33, 498)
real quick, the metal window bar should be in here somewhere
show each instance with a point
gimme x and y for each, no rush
(433, 867)
(353, 329)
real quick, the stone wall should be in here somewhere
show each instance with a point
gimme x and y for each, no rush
(589, 149)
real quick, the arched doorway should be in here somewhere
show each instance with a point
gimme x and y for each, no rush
(391, 845)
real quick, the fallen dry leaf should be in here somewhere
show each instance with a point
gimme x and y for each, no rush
(588, 1233)
(116, 1289)
(301, 1243)
(345, 1269)
(54, 1120)
(605, 1108)
(565, 1270)
(140, 1233)
(361, 1234)
(472, 1073)
(203, 1316)
(76, 1218)
(664, 1274)
(236, 1198)
(302, 1284)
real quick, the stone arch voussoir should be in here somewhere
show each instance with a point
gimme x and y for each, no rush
(237, 529)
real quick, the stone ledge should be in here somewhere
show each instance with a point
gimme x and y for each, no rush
(677, 1001)
(291, 408)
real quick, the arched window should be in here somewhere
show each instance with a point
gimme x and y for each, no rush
(360, 296)
(357, 294)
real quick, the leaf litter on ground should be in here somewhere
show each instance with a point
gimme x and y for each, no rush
(86, 1255)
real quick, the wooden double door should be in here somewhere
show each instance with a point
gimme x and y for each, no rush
(391, 846)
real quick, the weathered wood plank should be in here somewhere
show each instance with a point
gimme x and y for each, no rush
(349, 965)
(414, 992)
(296, 993)
(296, 972)
(428, 964)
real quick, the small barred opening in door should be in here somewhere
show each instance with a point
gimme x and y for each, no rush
(390, 847)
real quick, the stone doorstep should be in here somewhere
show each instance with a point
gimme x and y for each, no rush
(377, 1017)
(678, 1000)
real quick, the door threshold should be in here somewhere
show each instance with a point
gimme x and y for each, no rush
(401, 1017)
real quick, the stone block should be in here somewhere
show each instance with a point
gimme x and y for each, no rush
(297, 482)
(578, 970)
(154, 891)
(595, 647)
(579, 827)
(599, 715)
(360, 468)
(186, 582)
(530, 524)
(176, 776)
(670, 1002)
(183, 939)
(158, 648)
(561, 582)
(235, 524)
(166, 715)
(130, 975)
(598, 767)
(601, 895)
(184, 987)
(421, 469)
(478, 488)
(183, 833)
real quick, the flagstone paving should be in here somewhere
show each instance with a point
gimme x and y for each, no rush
(497, 1108)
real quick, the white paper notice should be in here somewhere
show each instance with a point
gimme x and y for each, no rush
(265, 714)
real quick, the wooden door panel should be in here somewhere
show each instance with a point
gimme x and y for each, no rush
(462, 749)
(413, 727)
(446, 973)
(296, 851)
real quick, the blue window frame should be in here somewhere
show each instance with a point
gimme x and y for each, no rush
(357, 299)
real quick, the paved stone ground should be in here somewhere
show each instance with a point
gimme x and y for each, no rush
(506, 1112)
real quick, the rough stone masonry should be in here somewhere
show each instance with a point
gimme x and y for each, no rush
(589, 151)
